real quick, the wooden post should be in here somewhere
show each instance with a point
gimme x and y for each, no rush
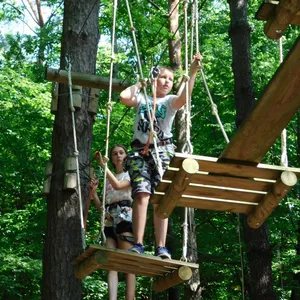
(181, 181)
(93, 101)
(87, 80)
(89, 265)
(54, 100)
(284, 183)
(70, 179)
(77, 96)
(182, 274)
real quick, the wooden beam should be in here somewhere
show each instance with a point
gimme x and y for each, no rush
(172, 279)
(276, 107)
(181, 181)
(87, 80)
(88, 266)
(281, 17)
(286, 181)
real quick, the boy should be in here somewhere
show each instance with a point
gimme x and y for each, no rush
(143, 168)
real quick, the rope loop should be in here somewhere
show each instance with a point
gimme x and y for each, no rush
(76, 153)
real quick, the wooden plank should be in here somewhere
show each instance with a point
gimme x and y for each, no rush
(276, 107)
(180, 182)
(281, 17)
(213, 166)
(266, 10)
(219, 181)
(87, 80)
(286, 181)
(216, 204)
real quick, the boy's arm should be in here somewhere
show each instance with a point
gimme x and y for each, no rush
(180, 100)
(129, 95)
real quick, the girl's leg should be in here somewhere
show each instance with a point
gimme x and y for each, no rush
(112, 276)
(130, 278)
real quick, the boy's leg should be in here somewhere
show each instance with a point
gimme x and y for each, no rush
(161, 228)
(139, 216)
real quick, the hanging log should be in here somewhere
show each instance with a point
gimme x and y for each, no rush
(87, 80)
(178, 276)
(182, 179)
(284, 183)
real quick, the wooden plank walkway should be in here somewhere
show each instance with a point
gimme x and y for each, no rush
(168, 272)
(211, 184)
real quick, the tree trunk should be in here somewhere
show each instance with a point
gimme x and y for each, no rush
(64, 239)
(259, 252)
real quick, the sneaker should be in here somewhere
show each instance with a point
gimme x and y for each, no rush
(163, 252)
(137, 248)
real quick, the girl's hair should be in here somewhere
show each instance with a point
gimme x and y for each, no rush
(167, 68)
(113, 147)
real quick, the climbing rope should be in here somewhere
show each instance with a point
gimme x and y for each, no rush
(143, 81)
(109, 110)
(76, 152)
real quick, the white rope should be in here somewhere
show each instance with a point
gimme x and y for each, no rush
(76, 152)
(284, 157)
(154, 137)
(109, 110)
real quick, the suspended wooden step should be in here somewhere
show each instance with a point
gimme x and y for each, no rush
(167, 272)
(279, 15)
(207, 183)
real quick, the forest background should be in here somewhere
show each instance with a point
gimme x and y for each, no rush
(26, 135)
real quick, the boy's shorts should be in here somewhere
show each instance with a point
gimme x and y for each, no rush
(122, 227)
(143, 169)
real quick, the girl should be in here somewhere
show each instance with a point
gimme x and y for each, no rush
(118, 223)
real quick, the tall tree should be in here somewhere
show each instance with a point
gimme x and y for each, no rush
(64, 237)
(258, 247)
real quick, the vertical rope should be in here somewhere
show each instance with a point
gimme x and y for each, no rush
(76, 152)
(109, 110)
(284, 157)
(159, 165)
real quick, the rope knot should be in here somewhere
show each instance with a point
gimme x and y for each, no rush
(109, 107)
(185, 78)
(76, 153)
(144, 82)
(214, 109)
(132, 28)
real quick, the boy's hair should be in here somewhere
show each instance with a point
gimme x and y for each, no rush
(166, 68)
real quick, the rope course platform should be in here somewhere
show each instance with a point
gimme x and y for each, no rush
(167, 272)
(211, 184)
(279, 15)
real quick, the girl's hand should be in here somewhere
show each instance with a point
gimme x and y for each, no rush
(101, 161)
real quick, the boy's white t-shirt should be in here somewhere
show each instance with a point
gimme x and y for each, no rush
(164, 115)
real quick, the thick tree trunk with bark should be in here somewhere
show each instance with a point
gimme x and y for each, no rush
(64, 240)
(258, 248)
